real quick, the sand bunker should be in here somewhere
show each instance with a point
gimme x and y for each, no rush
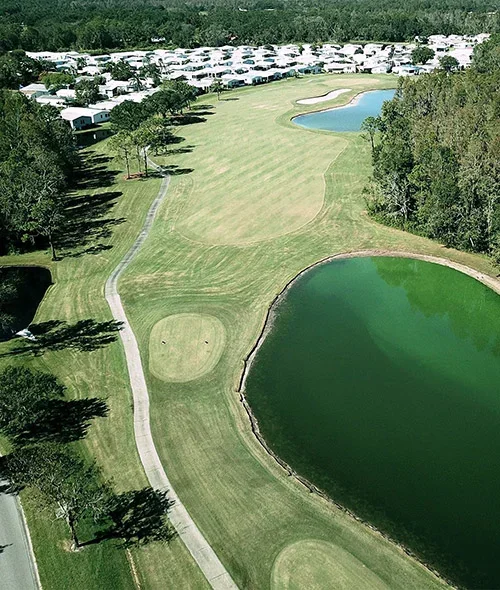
(330, 96)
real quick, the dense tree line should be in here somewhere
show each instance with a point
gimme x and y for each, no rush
(37, 156)
(36, 25)
(437, 164)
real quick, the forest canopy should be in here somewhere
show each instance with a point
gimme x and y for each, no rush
(437, 164)
(51, 25)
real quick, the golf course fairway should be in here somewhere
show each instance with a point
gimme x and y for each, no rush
(253, 200)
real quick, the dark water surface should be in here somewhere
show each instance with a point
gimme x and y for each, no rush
(380, 383)
(348, 118)
(21, 291)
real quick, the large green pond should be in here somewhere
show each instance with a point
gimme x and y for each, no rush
(379, 382)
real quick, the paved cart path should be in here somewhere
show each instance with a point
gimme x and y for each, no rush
(18, 569)
(212, 568)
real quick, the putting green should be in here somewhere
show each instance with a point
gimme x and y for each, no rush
(318, 565)
(184, 346)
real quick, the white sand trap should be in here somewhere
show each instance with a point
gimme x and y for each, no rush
(330, 96)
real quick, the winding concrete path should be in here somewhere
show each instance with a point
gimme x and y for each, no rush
(18, 569)
(212, 568)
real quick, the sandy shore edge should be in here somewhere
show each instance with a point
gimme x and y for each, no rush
(491, 282)
(324, 97)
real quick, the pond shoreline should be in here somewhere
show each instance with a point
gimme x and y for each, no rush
(352, 103)
(268, 323)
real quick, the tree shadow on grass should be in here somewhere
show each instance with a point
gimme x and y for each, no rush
(182, 150)
(63, 421)
(87, 218)
(137, 518)
(174, 170)
(83, 336)
(86, 221)
(202, 107)
(93, 172)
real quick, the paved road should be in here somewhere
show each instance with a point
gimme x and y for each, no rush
(17, 562)
(212, 568)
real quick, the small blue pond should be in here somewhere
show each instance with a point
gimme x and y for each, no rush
(348, 118)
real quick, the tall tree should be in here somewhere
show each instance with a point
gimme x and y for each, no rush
(369, 127)
(128, 115)
(68, 487)
(217, 87)
(121, 144)
(421, 55)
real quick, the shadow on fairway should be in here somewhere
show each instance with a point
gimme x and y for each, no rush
(202, 107)
(175, 170)
(63, 421)
(94, 172)
(136, 518)
(86, 216)
(83, 336)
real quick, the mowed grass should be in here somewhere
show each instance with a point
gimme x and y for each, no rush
(316, 565)
(224, 245)
(183, 347)
(286, 193)
(248, 509)
(78, 293)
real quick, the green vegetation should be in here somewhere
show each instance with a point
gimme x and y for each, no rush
(422, 54)
(437, 166)
(17, 69)
(78, 346)
(253, 200)
(247, 210)
(37, 158)
(51, 25)
(87, 92)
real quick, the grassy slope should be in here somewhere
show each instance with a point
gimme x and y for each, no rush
(248, 509)
(78, 294)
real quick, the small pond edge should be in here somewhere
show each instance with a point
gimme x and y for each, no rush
(351, 103)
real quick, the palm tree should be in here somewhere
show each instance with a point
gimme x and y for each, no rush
(217, 86)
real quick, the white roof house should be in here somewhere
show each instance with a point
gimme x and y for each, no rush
(66, 93)
(80, 118)
(34, 90)
(55, 101)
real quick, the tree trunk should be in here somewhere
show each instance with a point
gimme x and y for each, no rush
(128, 165)
(145, 163)
(74, 537)
(52, 247)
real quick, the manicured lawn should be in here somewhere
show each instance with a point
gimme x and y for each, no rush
(263, 200)
(255, 200)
